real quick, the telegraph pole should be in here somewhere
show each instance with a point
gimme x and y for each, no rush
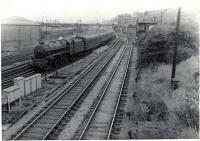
(46, 25)
(76, 29)
(42, 21)
(176, 45)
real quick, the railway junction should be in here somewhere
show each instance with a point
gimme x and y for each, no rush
(67, 99)
(104, 84)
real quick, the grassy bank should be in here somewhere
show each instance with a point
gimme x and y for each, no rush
(175, 112)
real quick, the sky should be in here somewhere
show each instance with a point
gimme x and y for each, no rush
(85, 10)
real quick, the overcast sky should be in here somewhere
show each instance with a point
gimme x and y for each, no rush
(86, 10)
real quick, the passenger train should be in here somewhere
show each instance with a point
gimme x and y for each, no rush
(57, 52)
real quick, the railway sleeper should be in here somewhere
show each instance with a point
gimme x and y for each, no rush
(68, 118)
(79, 102)
(119, 117)
(92, 136)
(74, 108)
(114, 137)
(65, 98)
(28, 138)
(123, 95)
(43, 125)
(79, 87)
(116, 131)
(124, 91)
(116, 127)
(62, 106)
(15, 71)
(65, 102)
(122, 105)
(62, 123)
(118, 120)
(75, 92)
(51, 112)
(18, 74)
(46, 120)
(68, 99)
(38, 130)
(54, 137)
(116, 124)
(97, 130)
(6, 71)
(37, 114)
(58, 110)
(54, 115)
(86, 79)
(123, 100)
(58, 106)
(32, 136)
(100, 125)
(120, 111)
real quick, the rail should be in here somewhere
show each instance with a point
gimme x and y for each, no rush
(104, 93)
(116, 108)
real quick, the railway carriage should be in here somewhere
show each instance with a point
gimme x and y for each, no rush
(107, 36)
(92, 42)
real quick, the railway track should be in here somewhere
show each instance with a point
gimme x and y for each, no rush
(24, 70)
(115, 127)
(42, 96)
(100, 120)
(17, 57)
(43, 125)
(9, 74)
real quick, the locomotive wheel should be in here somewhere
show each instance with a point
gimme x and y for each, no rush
(65, 58)
(59, 60)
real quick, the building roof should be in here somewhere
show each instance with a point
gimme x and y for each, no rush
(10, 89)
(15, 20)
(146, 23)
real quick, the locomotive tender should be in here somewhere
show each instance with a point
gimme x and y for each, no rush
(60, 51)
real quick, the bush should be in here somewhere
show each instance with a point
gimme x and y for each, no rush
(157, 45)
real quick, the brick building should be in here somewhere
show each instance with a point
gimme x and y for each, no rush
(126, 20)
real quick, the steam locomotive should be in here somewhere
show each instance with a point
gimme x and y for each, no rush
(58, 52)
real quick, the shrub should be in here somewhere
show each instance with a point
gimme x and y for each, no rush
(157, 44)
